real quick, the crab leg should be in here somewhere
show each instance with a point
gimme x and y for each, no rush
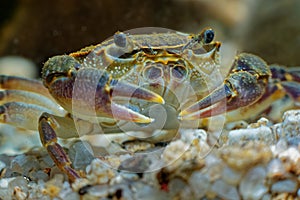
(22, 108)
(20, 83)
(272, 93)
(289, 80)
(21, 114)
(30, 98)
(49, 140)
(244, 86)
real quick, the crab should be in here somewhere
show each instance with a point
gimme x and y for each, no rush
(154, 82)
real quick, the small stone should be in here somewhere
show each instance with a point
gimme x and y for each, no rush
(96, 191)
(5, 159)
(252, 185)
(240, 157)
(231, 176)
(291, 123)
(266, 197)
(37, 175)
(174, 154)
(214, 167)
(18, 186)
(276, 169)
(71, 196)
(294, 141)
(291, 159)
(176, 186)
(185, 194)
(19, 194)
(284, 186)
(147, 192)
(224, 190)
(23, 164)
(262, 133)
(199, 184)
(4, 184)
(279, 147)
(54, 186)
(261, 122)
(80, 154)
(98, 173)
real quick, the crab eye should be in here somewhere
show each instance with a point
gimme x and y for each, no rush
(208, 36)
(120, 39)
(152, 73)
(179, 72)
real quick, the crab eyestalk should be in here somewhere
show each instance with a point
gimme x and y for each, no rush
(245, 84)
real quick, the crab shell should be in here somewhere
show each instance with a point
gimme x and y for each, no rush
(179, 67)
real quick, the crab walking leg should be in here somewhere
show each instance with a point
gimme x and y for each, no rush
(7, 96)
(246, 84)
(21, 114)
(49, 140)
(287, 83)
(273, 93)
(20, 83)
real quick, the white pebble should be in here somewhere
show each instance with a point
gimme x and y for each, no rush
(292, 154)
(279, 147)
(284, 186)
(261, 133)
(231, 176)
(176, 186)
(275, 168)
(225, 190)
(80, 154)
(147, 192)
(199, 183)
(291, 123)
(252, 185)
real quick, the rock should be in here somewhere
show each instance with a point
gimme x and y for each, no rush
(284, 186)
(252, 185)
(23, 164)
(80, 154)
(231, 176)
(224, 190)
(98, 173)
(18, 187)
(260, 133)
(199, 184)
(276, 169)
(290, 126)
(176, 186)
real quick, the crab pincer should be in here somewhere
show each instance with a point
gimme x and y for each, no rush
(90, 92)
(246, 83)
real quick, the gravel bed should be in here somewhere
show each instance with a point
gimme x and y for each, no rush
(259, 161)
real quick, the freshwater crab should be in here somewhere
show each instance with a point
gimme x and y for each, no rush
(141, 82)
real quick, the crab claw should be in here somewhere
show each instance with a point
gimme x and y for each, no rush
(121, 90)
(244, 86)
(90, 92)
(127, 90)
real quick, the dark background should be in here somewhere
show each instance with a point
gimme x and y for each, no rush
(37, 29)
